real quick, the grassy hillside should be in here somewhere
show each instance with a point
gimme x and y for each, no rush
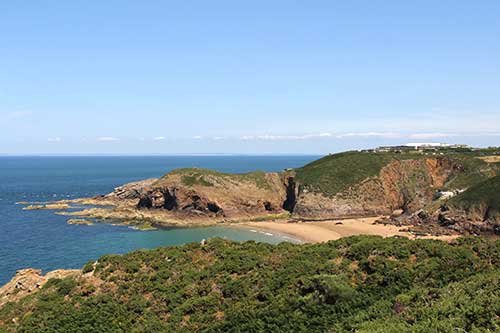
(362, 284)
(206, 177)
(335, 173)
(474, 171)
(486, 194)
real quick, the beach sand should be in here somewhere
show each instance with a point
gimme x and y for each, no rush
(323, 231)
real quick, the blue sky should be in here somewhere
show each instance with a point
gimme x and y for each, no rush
(128, 77)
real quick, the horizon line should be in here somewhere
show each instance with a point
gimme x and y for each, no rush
(153, 154)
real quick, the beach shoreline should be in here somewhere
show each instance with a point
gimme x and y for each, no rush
(323, 231)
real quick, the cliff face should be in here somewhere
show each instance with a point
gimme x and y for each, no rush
(200, 193)
(475, 210)
(401, 184)
(338, 186)
(211, 194)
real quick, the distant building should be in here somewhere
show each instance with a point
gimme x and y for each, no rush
(434, 145)
(418, 146)
(394, 148)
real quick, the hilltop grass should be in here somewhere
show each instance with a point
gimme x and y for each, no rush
(486, 193)
(336, 173)
(206, 177)
(474, 171)
(357, 284)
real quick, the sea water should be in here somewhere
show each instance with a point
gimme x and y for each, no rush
(42, 239)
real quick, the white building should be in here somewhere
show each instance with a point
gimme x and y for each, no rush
(424, 145)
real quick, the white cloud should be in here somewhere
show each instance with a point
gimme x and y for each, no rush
(18, 115)
(286, 137)
(218, 137)
(431, 135)
(197, 137)
(369, 134)
(56, 139)
(107, 139)
(159, 138)
(373, 134)
(321, 135)
(277, 137)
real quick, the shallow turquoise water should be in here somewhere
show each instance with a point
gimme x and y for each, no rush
(41, 239)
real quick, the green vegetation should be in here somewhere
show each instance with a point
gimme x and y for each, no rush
(338, 172)
(356, 284)
(485, 194)
(335, 173)
(206, 177)
(257, 177)
(191, 180)
(474, 171)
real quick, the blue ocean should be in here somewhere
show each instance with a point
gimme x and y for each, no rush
(41, 239)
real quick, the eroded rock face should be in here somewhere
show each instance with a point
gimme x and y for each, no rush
(291, 194)
(411, 184)
(29, 281)
(131, 190)
(224, 197)
(179, 199)
(401, 189)
(473, 221)
(407, 185)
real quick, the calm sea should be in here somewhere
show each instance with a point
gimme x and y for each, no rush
(41, 239)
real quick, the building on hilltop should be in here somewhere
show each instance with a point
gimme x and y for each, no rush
(434, 145)
(418, 146)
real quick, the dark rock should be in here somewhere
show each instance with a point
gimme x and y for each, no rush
(444, 220)
(291, 195)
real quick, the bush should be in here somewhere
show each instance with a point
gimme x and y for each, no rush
(356, 284)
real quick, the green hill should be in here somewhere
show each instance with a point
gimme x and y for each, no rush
(357, 284)
(335, 173)
(485, 194)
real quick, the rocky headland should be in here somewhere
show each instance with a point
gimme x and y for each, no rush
(426, 192)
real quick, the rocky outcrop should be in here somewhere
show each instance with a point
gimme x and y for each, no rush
(29, 281)
(291, 190)
(402, 184)
(179, 199)
(194, 196)
(50, 206)
(447, 220)
(215, 195)
(131, 190)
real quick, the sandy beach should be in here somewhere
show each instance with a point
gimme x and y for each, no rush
(323, 231)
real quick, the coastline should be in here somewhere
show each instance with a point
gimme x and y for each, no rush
(324, 231)
(297, 231)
